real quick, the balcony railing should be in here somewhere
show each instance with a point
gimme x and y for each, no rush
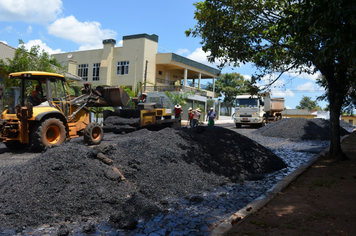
(176, 88)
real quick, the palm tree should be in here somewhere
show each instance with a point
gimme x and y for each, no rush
(179, 97)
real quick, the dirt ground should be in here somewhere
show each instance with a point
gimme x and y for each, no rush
(319, 202)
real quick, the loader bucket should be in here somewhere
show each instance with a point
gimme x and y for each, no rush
(115, 96)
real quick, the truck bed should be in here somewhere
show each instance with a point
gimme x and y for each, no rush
(274, 104)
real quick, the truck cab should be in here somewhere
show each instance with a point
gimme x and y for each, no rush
(249, 110)
(257, 110)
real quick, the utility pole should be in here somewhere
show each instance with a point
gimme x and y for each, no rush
(144, 84)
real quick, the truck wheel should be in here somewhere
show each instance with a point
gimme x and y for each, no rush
(93, 134)
(238, 125)
(263, 122)
(49, 132)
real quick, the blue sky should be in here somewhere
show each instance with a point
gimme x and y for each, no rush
(64, 26)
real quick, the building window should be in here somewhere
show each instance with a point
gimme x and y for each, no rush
(83, 71)
(96, 71)
(123, 68)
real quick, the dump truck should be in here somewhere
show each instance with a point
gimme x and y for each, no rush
(257, 110)
(55, 116)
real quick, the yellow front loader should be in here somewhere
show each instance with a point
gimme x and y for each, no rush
(50, 116)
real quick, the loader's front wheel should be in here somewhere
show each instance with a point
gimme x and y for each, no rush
(93, 134)
(49, 132)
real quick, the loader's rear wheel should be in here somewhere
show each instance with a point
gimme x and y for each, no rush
(93, 134)
(49, 132)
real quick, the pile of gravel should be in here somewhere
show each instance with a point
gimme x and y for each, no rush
(70, 184)
(347, 126)
(299, 128)
(119, 125)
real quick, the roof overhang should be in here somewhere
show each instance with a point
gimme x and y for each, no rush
(175, 62)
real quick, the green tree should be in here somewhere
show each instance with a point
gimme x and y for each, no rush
(282, 35)
(308, 103)
(98, 111)
(24, 60)
(230, 85)
(179, 97)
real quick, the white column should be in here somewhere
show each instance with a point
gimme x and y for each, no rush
(185, 78)
(199, 80)
(219, 106)
(214, 93)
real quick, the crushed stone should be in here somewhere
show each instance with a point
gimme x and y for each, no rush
(68, 183)
(299, 128)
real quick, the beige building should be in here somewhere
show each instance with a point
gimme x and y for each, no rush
(299, 113)
(349, 119)
(6, 51)
(137, 62)
(311, 114)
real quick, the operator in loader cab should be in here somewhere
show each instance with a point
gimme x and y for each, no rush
(37, 95)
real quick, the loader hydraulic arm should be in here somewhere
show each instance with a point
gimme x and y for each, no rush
(102, 96)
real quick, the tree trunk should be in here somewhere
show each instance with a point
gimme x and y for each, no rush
(336, 97)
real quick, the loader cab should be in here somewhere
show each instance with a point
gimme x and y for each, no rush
(43, 89)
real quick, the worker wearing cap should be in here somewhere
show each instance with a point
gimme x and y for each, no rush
(196, 117)
(211, 116)
(190, 116)
(178, 111)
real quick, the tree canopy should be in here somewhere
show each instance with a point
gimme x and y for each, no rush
(308, 103)
(24, 60)
(178, 98)
(229, 85)
(282, 35)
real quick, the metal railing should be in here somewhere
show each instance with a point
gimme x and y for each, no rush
(176, 88)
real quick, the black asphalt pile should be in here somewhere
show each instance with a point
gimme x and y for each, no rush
(347, 126)
(230, 154)
(119, 125)
(299, 128)
(132, 179)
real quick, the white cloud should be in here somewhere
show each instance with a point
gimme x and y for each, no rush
(7, 29)
(36, 11)
(29, 29)
(200, 56)
(42, 45)
(247, 77)
(120, 43)
(306, 76)
(88, 34)
(4, 42)
(183, 51)
(282, 93)
(277, 89)
(309, 87)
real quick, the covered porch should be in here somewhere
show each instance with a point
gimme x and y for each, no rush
(175, 73)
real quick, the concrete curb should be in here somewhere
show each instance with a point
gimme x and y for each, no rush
(241, 215)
